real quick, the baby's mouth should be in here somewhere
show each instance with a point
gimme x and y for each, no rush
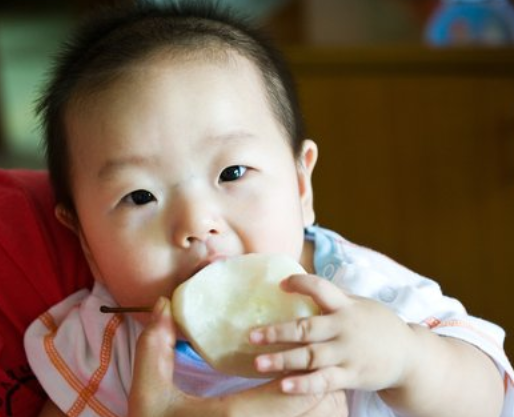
(206, 262)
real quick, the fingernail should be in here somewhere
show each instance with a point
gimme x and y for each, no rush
(287, 385)
(256, 336)
(263, 363)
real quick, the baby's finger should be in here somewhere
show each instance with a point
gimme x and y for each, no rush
(324, 293)
(154, 363)
(324, 380)
(305, 358)
(305, 330)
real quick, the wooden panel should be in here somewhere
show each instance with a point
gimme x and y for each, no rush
(417, 160)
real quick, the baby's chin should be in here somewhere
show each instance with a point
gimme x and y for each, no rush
(145, 318)
(142, 318)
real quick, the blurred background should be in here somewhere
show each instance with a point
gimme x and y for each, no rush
(410, 101)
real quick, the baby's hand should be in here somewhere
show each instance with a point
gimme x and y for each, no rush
(153, 392)
(356, 343)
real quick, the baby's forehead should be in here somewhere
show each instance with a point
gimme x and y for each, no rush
(167, 72)
(167, 59)
(163, 71)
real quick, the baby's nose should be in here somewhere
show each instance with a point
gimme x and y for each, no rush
(195, 221)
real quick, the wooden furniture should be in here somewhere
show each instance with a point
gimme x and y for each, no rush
(417, 161)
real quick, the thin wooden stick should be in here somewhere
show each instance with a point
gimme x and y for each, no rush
(134, 309)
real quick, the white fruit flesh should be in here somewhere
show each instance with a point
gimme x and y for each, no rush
(217, 308)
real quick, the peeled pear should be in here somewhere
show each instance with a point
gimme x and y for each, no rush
(218, 306)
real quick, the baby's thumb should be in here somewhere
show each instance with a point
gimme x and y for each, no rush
(152, 381)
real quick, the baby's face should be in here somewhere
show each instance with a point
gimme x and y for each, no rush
(180, 164)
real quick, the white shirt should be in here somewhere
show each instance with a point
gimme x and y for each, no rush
(84, 358)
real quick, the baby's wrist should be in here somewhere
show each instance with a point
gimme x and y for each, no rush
(403, 390)
(412, 357)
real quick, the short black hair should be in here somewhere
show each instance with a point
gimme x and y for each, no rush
(113, 38)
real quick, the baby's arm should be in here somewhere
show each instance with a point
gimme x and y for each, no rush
(448, 377)
(360, 344)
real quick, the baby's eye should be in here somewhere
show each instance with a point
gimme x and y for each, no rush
(139, 197)
(232, 173)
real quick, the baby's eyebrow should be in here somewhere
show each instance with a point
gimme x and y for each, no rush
(112, 166)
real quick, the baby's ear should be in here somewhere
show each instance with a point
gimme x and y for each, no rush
(69, 219)
(66, 218)
(309, 156)
(306, 165)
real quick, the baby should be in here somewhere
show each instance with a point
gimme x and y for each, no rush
(174, 139)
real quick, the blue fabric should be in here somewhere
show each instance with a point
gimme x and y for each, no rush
(187, 350)
(328, 255)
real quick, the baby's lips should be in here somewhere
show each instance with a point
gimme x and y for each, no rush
(206, 262)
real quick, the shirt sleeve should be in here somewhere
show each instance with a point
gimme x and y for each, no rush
(40, 264)
(417, 299)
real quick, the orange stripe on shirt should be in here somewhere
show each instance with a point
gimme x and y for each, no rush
(54, 356)
(48, 322)
(434, 323)
(85, 393)
(507, 380)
